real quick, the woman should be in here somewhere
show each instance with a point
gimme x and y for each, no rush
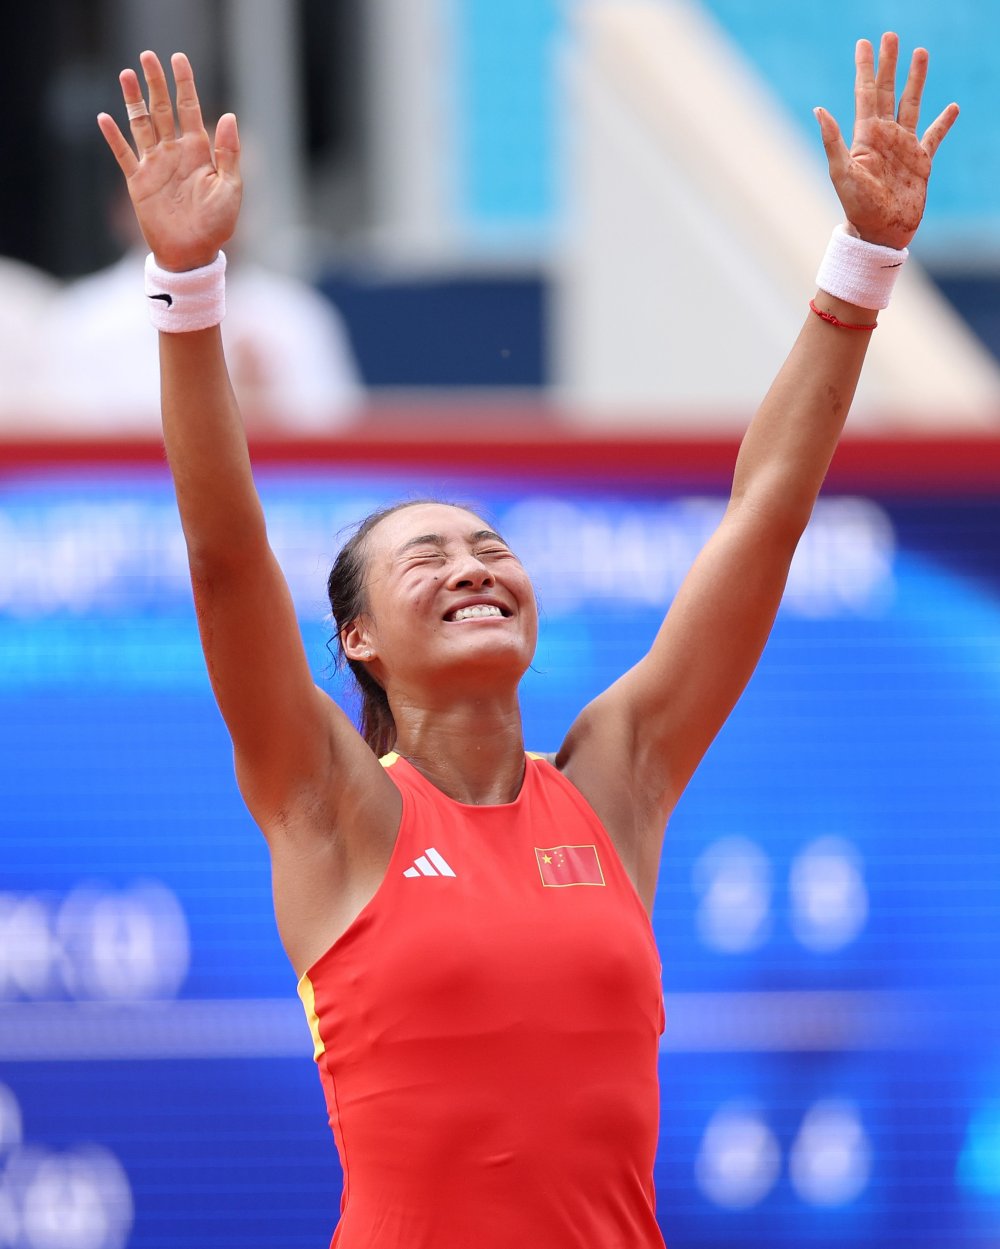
(470, 923)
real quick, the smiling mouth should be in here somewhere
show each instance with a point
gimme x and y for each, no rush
(481, 611)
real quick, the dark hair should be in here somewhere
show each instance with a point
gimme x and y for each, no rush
(348, 600)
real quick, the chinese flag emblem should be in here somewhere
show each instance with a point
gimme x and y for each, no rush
(569, 865)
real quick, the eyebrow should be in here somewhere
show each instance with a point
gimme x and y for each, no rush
(437, 539)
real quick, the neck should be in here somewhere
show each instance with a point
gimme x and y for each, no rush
(473, 751)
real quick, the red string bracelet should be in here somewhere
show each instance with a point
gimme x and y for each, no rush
(832, 320)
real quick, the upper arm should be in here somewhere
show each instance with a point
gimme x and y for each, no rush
(299, 761)
(655, 723)
(292, 745)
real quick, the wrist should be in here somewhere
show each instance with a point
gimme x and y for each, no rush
(181, 301)
(859, 272)
(880, 238)
(184, 264)
(843, 310)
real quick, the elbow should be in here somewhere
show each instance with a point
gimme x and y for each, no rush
(212, 568)
(217, 552)
(781, 519)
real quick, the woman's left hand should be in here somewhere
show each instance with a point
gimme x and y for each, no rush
(882, 179)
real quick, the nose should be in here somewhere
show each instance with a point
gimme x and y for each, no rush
(470, 573)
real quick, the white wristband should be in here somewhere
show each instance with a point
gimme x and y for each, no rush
(192, 300)
(860, 273)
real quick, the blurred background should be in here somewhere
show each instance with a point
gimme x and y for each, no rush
(546, 255)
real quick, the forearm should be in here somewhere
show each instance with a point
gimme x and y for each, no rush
(881, 182)
(207, 448)
(791, 440)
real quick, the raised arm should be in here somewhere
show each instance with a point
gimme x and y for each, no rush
(297, 756)
(634, 749)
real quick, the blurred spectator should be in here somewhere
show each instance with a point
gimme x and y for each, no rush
(25, 293)
(290, 357)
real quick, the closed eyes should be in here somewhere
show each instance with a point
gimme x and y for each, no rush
(435, 555)
(428, 553)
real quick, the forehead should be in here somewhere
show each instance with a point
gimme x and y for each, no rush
(450, 522)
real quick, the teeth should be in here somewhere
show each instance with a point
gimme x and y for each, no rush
(475, 613)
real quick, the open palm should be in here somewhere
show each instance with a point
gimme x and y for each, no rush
(185, 194)
(882, 179)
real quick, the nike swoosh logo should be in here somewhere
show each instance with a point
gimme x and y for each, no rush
(167, 299)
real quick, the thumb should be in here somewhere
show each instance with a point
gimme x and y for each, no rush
(227, 147)
(837, 155)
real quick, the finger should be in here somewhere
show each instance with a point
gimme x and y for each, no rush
(864, 80)
(909, 101)
(160, 108)
(140, 122)
(188, 107)
(120, 146)
(885, 80)
(227, 147)
(837, 155)
(938, 128)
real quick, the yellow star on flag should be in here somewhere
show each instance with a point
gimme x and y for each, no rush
(560, 866)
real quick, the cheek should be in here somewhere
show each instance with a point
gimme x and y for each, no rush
(528, 598)
(416, 597)
(533, 628)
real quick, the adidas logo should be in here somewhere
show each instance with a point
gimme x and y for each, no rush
(430, 863)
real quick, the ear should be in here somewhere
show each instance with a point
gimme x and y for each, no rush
(357, 641)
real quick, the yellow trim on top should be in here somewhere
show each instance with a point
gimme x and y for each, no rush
(393, 757)
(308, 996)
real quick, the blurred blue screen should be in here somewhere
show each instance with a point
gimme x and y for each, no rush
(827, 916)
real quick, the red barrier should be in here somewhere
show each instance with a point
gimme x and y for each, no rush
(526, 443)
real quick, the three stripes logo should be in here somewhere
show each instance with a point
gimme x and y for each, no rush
(430, 863)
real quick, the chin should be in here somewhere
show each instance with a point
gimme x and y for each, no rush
(511, 660)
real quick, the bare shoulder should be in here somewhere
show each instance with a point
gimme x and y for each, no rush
(605, 757)
(337, 785)
(331, 838)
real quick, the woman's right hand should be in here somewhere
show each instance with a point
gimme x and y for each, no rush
(186, 198)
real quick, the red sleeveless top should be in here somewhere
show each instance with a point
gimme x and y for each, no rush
(487, 1032)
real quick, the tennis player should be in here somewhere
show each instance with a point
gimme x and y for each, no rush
(470, 922)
